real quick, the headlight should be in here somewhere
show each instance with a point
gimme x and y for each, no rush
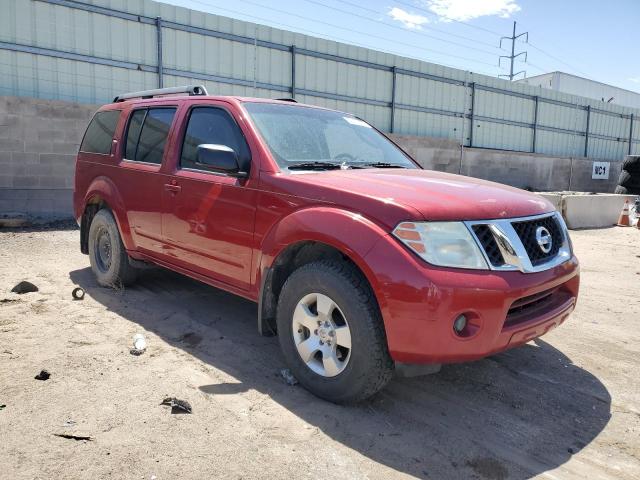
(446, 244)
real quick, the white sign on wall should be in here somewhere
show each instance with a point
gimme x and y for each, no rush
(600, 170)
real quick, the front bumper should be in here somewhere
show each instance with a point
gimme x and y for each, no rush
(419, 303)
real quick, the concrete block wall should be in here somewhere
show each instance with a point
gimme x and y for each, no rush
(39, 140)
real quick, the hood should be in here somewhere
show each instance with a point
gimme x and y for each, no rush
(432, 195)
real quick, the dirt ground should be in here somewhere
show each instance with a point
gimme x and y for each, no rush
(564, 407)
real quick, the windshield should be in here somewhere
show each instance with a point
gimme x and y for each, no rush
(310, 138)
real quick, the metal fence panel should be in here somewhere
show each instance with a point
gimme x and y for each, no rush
(196, 53)
(411, 122)
(420, 91)
(501, 136)
(322, 75)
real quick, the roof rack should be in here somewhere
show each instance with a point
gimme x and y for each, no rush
(190, 89)
(287, 100)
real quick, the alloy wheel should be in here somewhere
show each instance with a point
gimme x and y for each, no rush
(321, 335)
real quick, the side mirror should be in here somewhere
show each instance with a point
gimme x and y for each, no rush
(220, 158)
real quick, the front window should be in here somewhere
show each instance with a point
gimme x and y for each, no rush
(310, 138)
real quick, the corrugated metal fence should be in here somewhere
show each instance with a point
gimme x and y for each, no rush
(63, 49)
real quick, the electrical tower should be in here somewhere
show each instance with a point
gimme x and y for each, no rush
(513, 55)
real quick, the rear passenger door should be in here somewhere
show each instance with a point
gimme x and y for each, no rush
(141, 183)
(209, 217)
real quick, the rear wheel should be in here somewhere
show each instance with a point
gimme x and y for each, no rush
(331, 332)
(107, 255)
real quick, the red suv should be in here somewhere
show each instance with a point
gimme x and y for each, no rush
(361, 262)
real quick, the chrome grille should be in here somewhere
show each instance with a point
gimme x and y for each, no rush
(512, 244)
(527, 233)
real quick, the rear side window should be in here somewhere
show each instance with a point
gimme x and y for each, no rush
(147, 134)
(99, 134)
(215, 126)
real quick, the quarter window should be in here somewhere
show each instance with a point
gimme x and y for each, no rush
(99, 134)
(147, 134)
(210, 125)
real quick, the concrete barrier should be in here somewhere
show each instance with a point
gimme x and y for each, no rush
(593, 211)
(581, 210)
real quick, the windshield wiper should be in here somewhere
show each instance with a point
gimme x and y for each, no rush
(315, 166)
(381, 165)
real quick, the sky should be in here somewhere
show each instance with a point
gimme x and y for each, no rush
(588, 38)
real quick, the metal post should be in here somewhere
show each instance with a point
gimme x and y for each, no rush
(513, 55)
(393, 97)
(570, 173)
(293, 71)
(159, 48)
(473, 101)
(513, 51)
(630, 133)
(586, 132)
(535, 124)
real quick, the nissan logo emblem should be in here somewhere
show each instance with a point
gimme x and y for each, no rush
(543, 237)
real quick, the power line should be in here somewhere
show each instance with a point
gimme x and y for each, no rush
(540, 69)
(377, 12)
(336, 38)
(378, 37)
(556, 59)
(513, 55)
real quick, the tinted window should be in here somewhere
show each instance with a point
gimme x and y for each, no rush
(214, 126)
(100, 131)
(146, 144)
(133, 133)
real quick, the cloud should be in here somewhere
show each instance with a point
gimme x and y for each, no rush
(634, 79)
(409, 20)
(463, 10)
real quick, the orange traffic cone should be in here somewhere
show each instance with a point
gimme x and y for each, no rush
(623, 220)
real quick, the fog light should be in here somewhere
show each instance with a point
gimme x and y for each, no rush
(459, 324)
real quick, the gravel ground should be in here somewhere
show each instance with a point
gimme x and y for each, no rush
(565, 406)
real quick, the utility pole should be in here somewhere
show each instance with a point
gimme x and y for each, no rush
(513, 55)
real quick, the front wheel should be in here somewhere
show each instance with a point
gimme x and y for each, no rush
(107, 255)
(331, 332)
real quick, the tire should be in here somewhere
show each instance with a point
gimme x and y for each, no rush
(624, 178)
(107, 255)
(631, 164)
(362, 370)
(629, 180)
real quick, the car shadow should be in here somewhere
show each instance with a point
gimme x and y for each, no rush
(514, 415)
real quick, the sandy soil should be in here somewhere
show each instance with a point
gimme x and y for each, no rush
(566, 406)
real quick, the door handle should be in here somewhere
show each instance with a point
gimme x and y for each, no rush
(172, 188)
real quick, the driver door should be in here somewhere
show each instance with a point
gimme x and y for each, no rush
(208, 218)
